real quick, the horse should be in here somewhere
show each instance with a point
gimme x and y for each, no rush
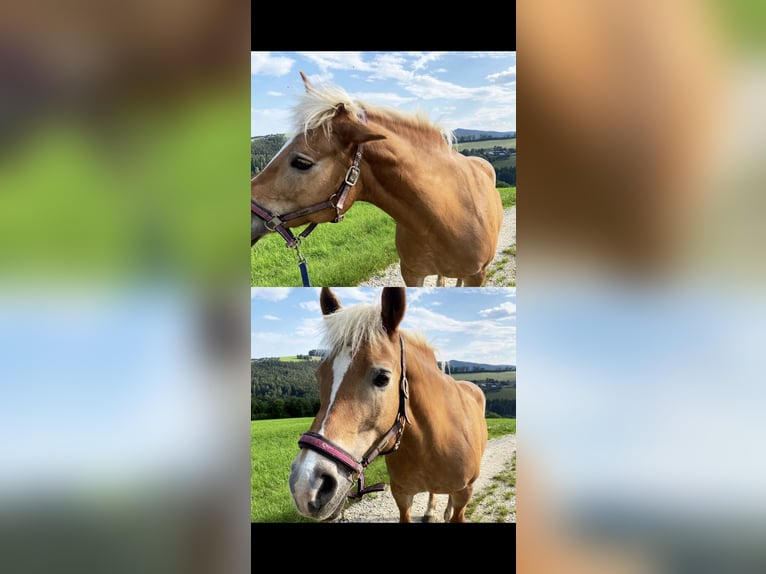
(382, 393)
(447, 210)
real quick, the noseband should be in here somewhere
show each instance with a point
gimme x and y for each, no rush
(320, 444)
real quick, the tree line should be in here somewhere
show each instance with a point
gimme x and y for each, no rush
(281, 389)
(262, 149)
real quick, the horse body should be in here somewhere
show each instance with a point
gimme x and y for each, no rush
(446, 450)
(441, 444)
(447, 210)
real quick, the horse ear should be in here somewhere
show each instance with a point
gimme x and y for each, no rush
(328, 301)
(306, 83)
(393, 304)
(353, 132)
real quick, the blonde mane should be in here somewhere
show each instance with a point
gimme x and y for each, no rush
(361, 324)
(319, 104)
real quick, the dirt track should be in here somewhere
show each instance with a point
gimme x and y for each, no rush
(498, 504)
(502, 271)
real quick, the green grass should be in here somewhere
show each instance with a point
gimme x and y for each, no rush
(487, 144)
(337, 254)
(508, 195)
(500, 427)
(506, 479)
(497, 375)
(274, 445)
(503, 393)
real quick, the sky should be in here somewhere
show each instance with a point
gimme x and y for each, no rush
(464, 324)
(470, 90)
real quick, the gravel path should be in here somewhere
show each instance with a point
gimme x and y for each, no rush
(497, 459)
(502, 271)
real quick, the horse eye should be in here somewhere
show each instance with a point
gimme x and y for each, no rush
(301, 163)
(381, 380)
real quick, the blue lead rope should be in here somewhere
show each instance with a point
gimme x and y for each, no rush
(302, 265)
(304, 270)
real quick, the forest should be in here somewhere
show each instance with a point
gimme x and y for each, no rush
(287, 389)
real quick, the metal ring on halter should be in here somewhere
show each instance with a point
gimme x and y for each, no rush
(273, 223)
(352, 176)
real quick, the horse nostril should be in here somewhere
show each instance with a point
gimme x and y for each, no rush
(325, 492)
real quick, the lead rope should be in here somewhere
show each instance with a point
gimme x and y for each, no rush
(302, 263)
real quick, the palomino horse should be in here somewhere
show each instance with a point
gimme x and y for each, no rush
(382, 393)
(447, 210)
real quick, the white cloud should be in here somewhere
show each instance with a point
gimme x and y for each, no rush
(425, 58)
(490, 340)
(265, 63)
(503, 310)
(383, 98)
(338, 61)
(271, 318)
(416, 294)
(269, 293)
(312, 306)
(505, 76)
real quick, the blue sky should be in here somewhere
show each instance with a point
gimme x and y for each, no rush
(461, 323)
(471, 90)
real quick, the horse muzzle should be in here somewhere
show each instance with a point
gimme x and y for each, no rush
(257, 229)
(318, 486)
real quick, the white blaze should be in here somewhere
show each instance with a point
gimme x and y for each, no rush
(339, 367)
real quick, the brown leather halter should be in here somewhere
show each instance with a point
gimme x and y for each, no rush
(336, 201)
(320, 444)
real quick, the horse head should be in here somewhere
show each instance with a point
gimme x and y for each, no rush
(303, 182)
(361, 414)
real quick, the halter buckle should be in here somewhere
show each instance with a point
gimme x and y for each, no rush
(273, 223)
(352, 176)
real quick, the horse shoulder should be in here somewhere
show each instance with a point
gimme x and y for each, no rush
(473, 392)
(483, 166)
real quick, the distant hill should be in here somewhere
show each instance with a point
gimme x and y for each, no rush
(469, 135)
(468, 367)
(283, 387)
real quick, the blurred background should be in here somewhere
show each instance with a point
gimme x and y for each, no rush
(641, 301)
(124, 286)
(124, 289)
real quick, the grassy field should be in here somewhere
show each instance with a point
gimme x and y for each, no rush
(337, 254)
(274, 445)
(498, 376)
(484, 144)
(295, 359)
(502, 393)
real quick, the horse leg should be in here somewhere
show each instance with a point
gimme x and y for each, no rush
(404, 503)
(440, 280)
(431, 510)
(476, 280)
(411, 279)
(459, 501)
(459, 282)
(448, 510)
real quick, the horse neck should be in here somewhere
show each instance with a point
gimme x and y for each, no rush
(425, 383)
(394, 180)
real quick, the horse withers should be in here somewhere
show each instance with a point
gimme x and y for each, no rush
(382, 392)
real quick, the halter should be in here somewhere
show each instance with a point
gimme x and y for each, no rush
(275, 222)
(317, 442)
